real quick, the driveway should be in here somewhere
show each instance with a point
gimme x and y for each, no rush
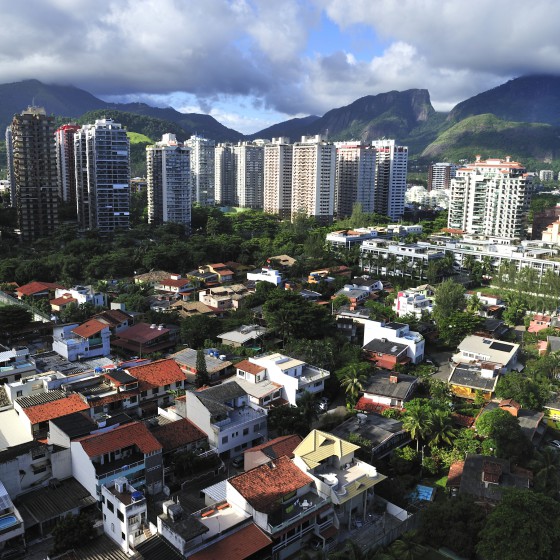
(442, 358)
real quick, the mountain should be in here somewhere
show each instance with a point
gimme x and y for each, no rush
(72, 102)
(392, 114)
(525, 99)
(491, 136)
(291, 128)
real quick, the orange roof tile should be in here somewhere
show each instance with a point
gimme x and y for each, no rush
(158, 373)
(123, 436)
(175, 283)
(264, 486)
(240, 545)
(37, 287)
(455, 473)
(249, 367)
(55, 409)
(177, 434)
(89, 328)
(279, 447)
(63, 300)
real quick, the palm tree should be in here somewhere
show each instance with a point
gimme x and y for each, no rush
(406, 548)
(442, 430)
(353, 377)
(546, 469)
(307, 402)
(418, 421)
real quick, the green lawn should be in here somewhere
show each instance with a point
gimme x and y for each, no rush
(137, 138)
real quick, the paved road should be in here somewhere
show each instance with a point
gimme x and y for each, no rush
(442, 358)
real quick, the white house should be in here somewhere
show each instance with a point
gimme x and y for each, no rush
(413, 303)
(475, 349)
(396, 332)
(82, 294)
(77, 342)
(16, 364)
(266, 275)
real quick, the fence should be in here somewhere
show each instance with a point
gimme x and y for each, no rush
(37, 315)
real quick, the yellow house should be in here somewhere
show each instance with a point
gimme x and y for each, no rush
(466, 379)
(347, 480)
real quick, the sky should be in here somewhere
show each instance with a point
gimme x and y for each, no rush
(253, 63)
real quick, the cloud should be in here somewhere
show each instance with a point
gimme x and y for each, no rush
(218, 52)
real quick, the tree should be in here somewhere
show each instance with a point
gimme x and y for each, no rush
(449, 298)
(286, 420)
(526, 391)
(72, 531)
(442, 430)
(307, 403)
(339, 301)
(14, 317)
(198, 328)
(524, 524)
(454, 326)
(407, 547)
(352, 378)
(546, 470)
(417, 420)
(202, 377)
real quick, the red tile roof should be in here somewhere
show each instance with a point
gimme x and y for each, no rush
(158, 373)
(264, 486)
(178, 434)
(63, 300)
(279, 447)
(249, 367)
(89, 328)
(113, 317)
(175, 283)
(455, 474)
(142, 333)
(123, 436)
(55, 409)
(37, 287)
(240, 545)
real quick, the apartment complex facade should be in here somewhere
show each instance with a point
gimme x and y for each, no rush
(278, 159)
(169, 182)
(202, 169)
(224, 174)
(390, 177)
(66, 163)
(490, 198)
(440, 175)
(249, 174)
(34, 173)
(102, 152)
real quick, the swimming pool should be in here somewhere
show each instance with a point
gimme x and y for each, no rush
(8, 521)
(423, 493)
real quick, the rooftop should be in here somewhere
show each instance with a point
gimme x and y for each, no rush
(37, 287)
(318, 446)
(113, 317)
(279, 447)
(89, 328)
(142, 333)
(74, 425)
(487, 349)
(187, 357)
(54, 409)
(136, 434)
(384, 346)
(119, 377)
(265, 486)
(158, 373)
(380, 384)
(244, 333)
(250, 367)
(470, 375)
(177, 434)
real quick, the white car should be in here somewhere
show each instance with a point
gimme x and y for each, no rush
(323, 404)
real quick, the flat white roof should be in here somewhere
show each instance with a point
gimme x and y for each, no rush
(12, 431)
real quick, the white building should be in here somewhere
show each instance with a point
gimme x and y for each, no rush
(546, 175)
(475, 349)
(16, 364)
(390, 177)
(79, 342)
(224, 174)
(490, 198)
(82, 294)
(66, 163)
(410, 302)
(440, 175)
(278, 159)
(355, 177)
(125, 514)
(266, 274)
(313, 178)
(249, 174)
(202, 169)
(169, 182)
(396, 332)
(102, 152)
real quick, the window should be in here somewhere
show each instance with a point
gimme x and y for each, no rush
(225, 439)
(120, 515)
(245, 431)
(122, 536)
(144, 394)
(166, 387)
(154, 391)
(112, 527)
(19, 393)
(133, 399)
(110, 507)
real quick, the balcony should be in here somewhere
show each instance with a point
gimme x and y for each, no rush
(311, 374)
(237, 418)
(291, 512)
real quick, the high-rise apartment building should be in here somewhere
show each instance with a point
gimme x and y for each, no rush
(278, 158)
(249, 174)
(169, 182)
(34, 173)
(355, 177)
(66, 162)
(224, 174)
(10, 162)
(313, 177)
(390, 178)
(102, 152)
(440, 175)
(490, 198)
(202, 169)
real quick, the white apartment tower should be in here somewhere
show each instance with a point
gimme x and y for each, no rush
(249, 174)
(355, 177)
(224, 174)
(440, 175)
(202, 169)
(102, 152)
(66, 162)
(313, 177)
(490, 198)
(278, 158)
(169, 182)
(10, 162)
(390, 178)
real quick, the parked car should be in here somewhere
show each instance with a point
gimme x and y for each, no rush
(238, 461)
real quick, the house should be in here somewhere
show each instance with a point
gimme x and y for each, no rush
(384, 434)
(348, 238)
(16, 364)
(203, 275)
(283, 262)
(37, 289)
(142, 339)
(116, 318)
(492, 305)
(174, 284)
(328, 274)
(216, 367)
(477, 349)
(552, 409)
(272, 450)
(396, 332)
(226, 415)
(129, 450)
(367, 283)
(294, 376)
(82, 295)
(356, 294)
(155, 382)
(492, 328)
(387, 389)
(224, 273)
(540, 321)
(263, 393)
(245, 335)
(410, 302)
(179, 436)
(223, 298)
(59, 303)
(338, 474)
(484, 478)
(191, 308)
(266, 274)
(12, 521)
(78, 342)
(385, 353)
(151, 277)
(468, 380)
(125, 514)
(288, 504)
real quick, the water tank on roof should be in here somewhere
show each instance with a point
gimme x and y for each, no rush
(137, 496)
